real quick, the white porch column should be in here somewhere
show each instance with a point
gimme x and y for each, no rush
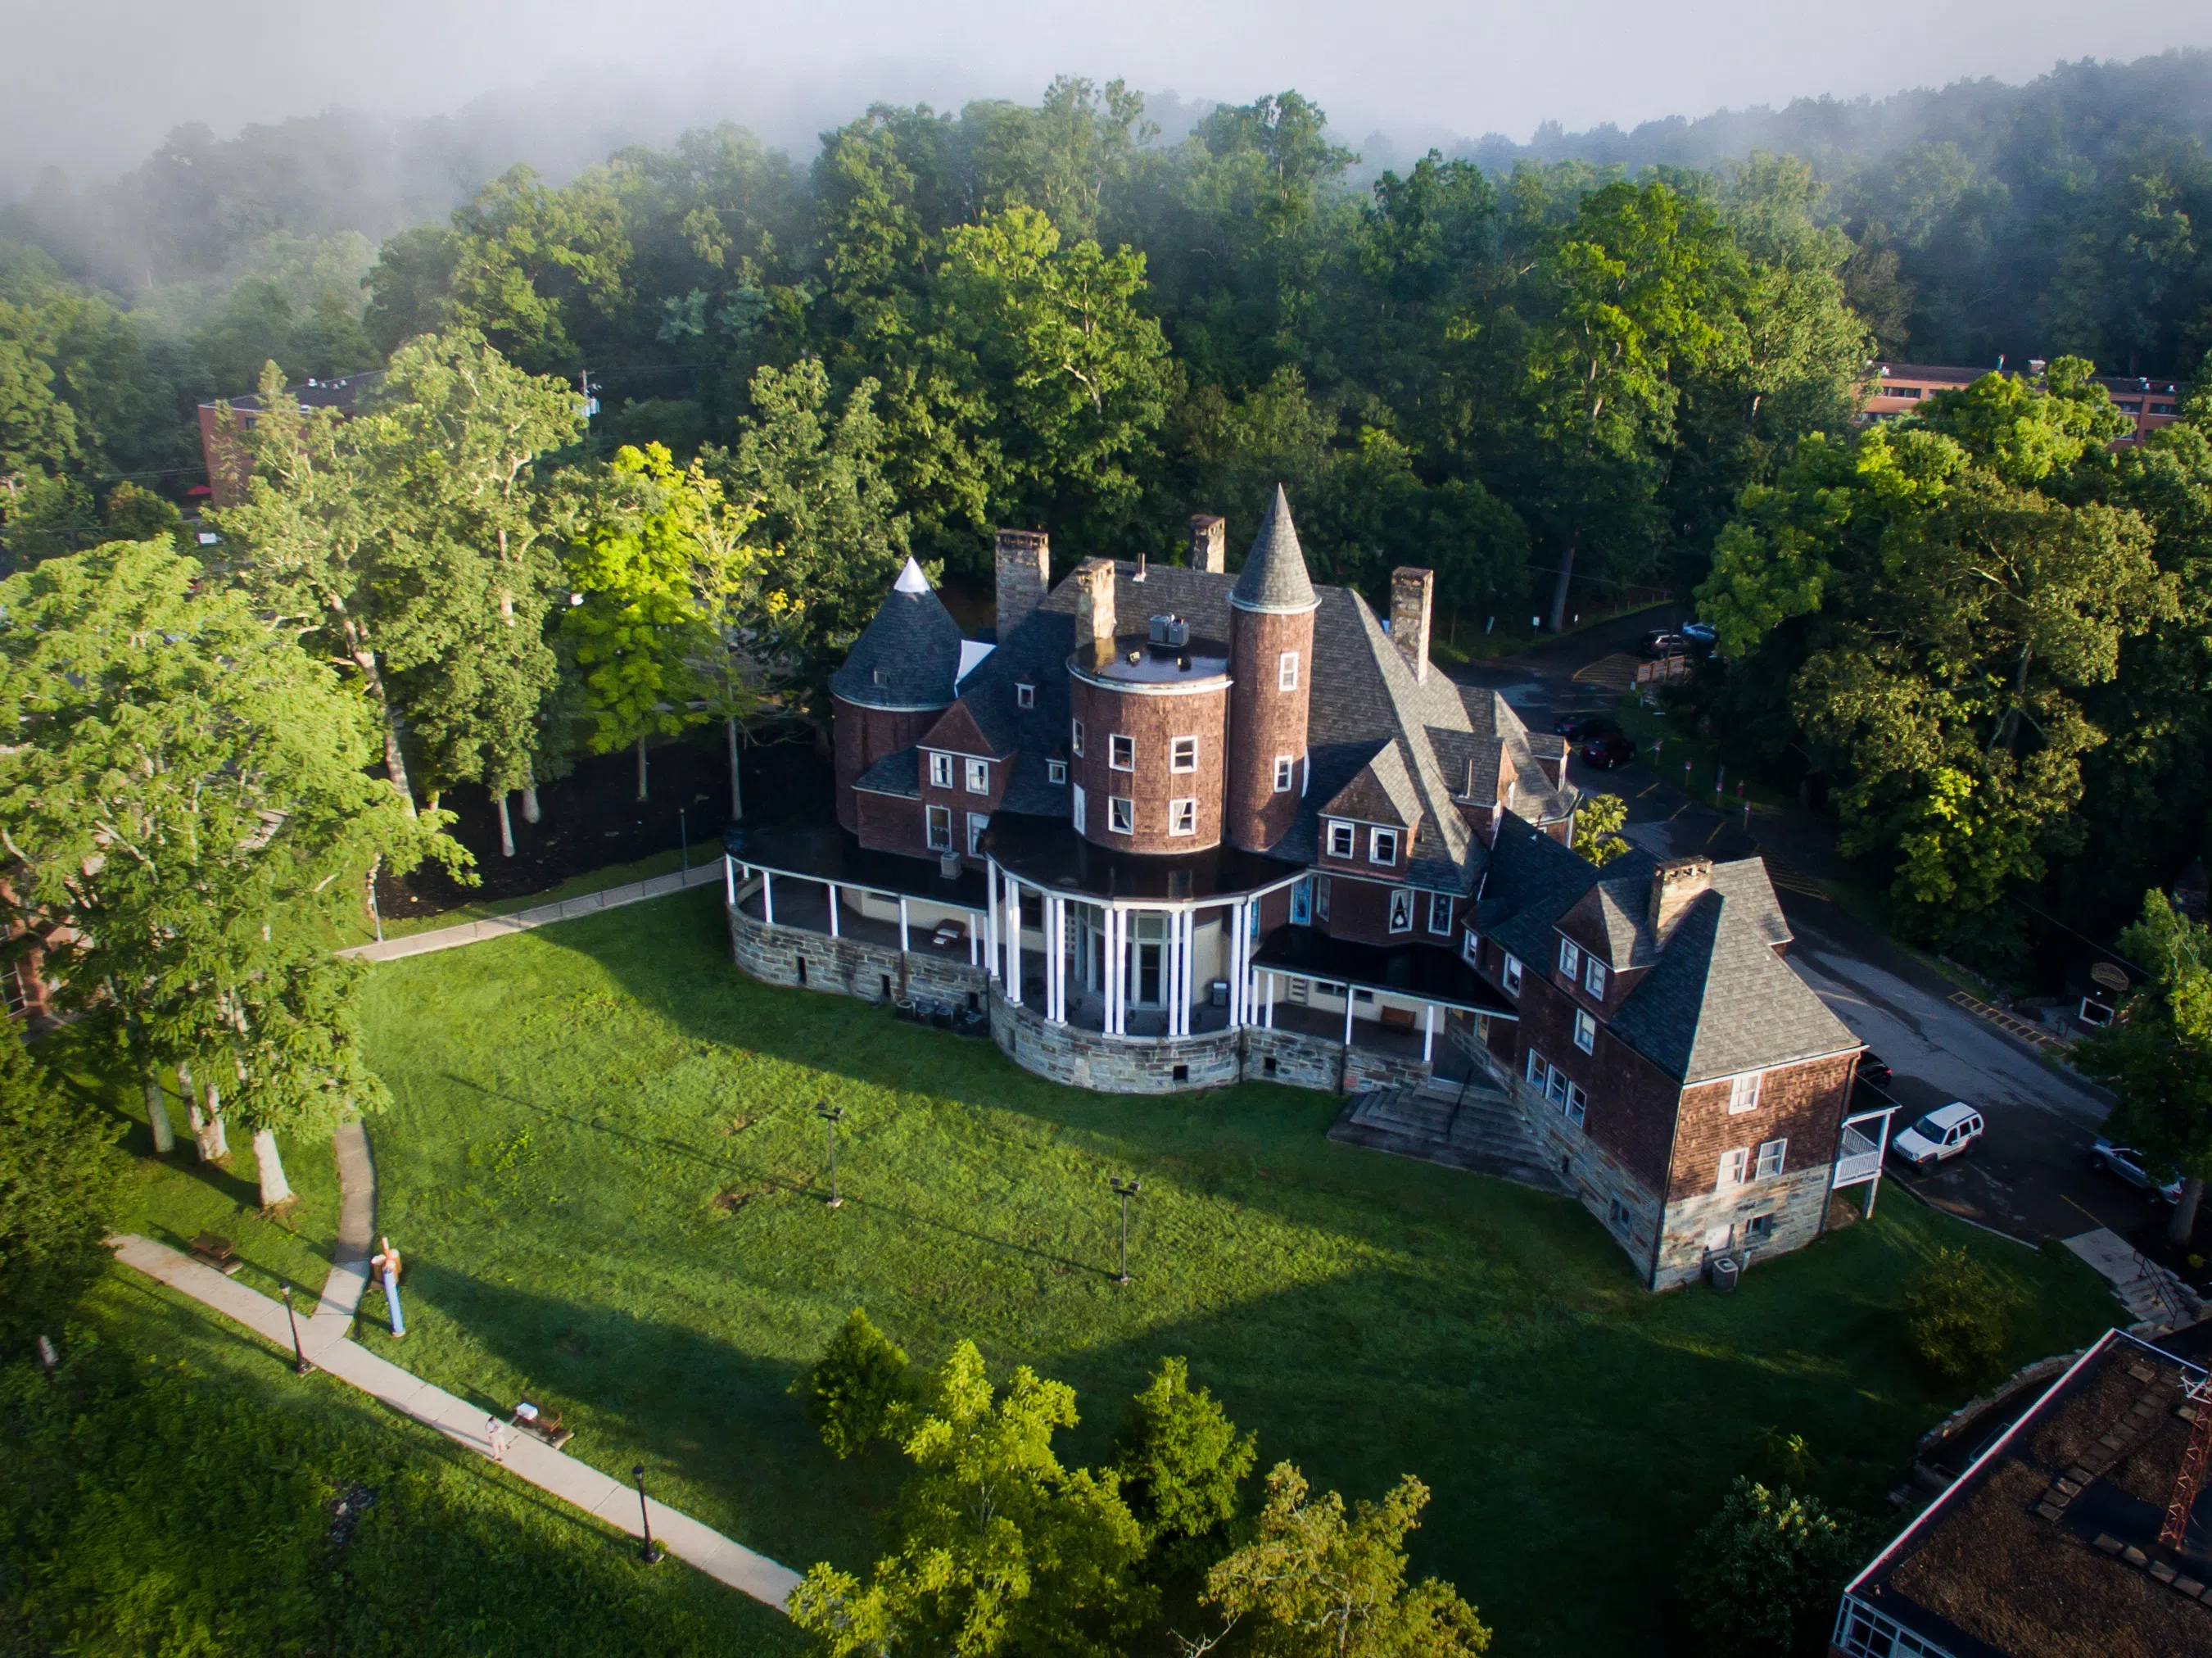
(975, 940)
(1271, 1002)
(1347, 1014)
(1186, 936)
(830, 887)
(1113, 971)
(1013, 925)
(729, 882)
(1240, 1012)
(1428, 1032)
(903, 923)
(1056, 959)
(990, 917)
(767, 896)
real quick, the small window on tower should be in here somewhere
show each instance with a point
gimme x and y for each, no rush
(1182, 817)
(1286, 671)
(1121, 752)
(1120, 814)
(1286, 773)
(1075, 738)
(1182, 754)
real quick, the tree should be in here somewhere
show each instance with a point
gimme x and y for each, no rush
(1955, 1314)
(1181, 1459)
(60, 1184)
(1313, 1584)
(1764, 1574)
(854, 1392)
(995, 1547)
(188, 816)
(2156, 1054)
(1598, 823)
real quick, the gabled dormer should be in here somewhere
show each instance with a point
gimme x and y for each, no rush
(1368, 827)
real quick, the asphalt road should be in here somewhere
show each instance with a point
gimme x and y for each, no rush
(2030, 1174)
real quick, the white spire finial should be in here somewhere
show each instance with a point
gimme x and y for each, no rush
(911, 580)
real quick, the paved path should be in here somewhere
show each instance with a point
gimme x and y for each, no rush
(461, 1421)
(349, 1278)
(2152, 1295)
(474, 932)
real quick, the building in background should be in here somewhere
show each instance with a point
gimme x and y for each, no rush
(1897, 389)
(226, 465)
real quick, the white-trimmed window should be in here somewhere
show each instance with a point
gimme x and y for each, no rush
(1401, 908)
(1055, 771)
(1471, 947)
(1537, 1068)
(1381, 846)
(1342, 838)
(1182, 754)
(1121, 752)
(1733, 1165)
(1556, 1086)
(1585, 1031)
(1570, 959)
(1286, 773)
(1320, 898)
(1025, 694)
(1182, 817)
(979, 776)
(940, 771)
(941, 828)
(1286, 671)
(1121, 814)
(1743, 1093)
(1511, 975)
(1075, 738)
(1078, 814)
(1440, 913)
(977, 823)
(1594, 977)
(1770, 1155)
(1576, 1106)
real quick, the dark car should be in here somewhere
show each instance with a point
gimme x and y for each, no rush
(1584, 728)
(1605, 752)
(1874, 1068)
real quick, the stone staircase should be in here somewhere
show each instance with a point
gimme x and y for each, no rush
(2155, 1297)
(1480, 1129)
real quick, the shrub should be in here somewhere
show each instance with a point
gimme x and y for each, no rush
(1764, 1574)
(1955, 1314)
(861, 1383)
(1181, 1458)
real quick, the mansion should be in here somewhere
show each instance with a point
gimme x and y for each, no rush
(1174, 826)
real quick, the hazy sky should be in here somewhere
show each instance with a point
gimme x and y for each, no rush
(93, 84)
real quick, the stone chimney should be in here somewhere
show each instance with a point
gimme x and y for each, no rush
(1094, 606)
(1412, 596)
(1025, 572)
(1675, 885)
(1209, 542)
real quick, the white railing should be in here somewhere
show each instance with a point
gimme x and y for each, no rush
(1856, 1159)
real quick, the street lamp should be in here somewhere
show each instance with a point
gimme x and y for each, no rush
(683, 828)
(648, 1555)
(299, 1354)
(1124, 1190)
(831, 1116)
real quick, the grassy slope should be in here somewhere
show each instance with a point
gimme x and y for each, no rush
(572, 1102)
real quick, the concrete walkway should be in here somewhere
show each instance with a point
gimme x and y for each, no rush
(349, 1279)
(475, 932)
(2154, 1295)
(323, 1340)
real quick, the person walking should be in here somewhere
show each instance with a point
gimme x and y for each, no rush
(495, 1433)
(385, 1265)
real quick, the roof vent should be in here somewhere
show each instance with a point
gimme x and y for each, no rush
(1172, 631)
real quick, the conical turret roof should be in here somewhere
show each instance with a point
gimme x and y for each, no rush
(909, 656)
(1274, 577)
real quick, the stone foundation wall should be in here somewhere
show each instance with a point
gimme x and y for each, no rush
(1364, 1069)
(846, 966)
(1301, 1061)
(1115, 1064)
(1798, 1202)
(1600, 1180)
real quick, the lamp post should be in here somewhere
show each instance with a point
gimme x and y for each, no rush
(299, 1354)
(831, 1116)
(1124, 1190)
(683, 829)
(648, 1555)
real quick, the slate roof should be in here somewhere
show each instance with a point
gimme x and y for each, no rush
(1381, 792)
(898, 773)
(908, 656)
(1274, 575)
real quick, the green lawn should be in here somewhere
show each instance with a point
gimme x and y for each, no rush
(605, 1171)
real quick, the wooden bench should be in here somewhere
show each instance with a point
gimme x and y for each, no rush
(545, 1425)
(215, 1251)
(1398, 1019)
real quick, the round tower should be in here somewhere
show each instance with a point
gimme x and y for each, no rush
(1271, 634)
(898, 679)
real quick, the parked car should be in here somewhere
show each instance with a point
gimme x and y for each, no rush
(1583, 727)
(1606, 752)
(1664, 642)
(1701, 633)
(1939, 1135)
(1874, 1068)
(2128, 1163)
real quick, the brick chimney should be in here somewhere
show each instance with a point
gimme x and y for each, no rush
(1675, 885)
(1094, 606)
(1025, 572)
(1412, 594)
(1209, 542)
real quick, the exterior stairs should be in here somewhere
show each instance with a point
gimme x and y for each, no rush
(2155, 1295)
(1479, 1129)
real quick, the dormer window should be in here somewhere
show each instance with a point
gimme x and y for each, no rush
(1342, 839)
(979, 776)
(940, 771)
(1382, 846)
(1594, 978)
(1570, 959)
(1025, 695)
(879, 677)
(1055, 772)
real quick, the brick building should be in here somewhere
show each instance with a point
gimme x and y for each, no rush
(1175, 826)
(1897, 389)
(227, 467)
